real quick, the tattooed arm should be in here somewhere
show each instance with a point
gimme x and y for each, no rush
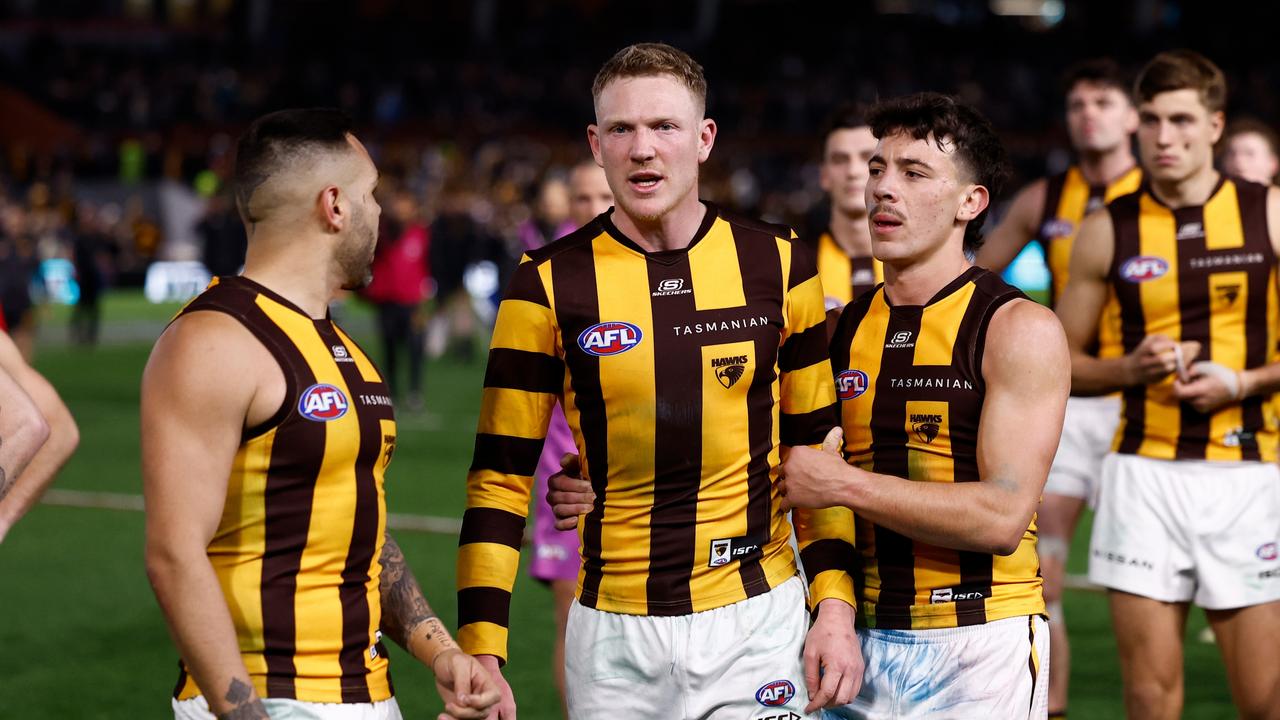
(463, 683)
(23, 431)
(206, 379)
(63, 438)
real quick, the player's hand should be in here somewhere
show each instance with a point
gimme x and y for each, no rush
(465, 686)
(505, 707)
(1210, 386)
(815, 478)
(833, 664)
(568, 494)
(1156, 357)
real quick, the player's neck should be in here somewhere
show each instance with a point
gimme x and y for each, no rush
(1187, 192)
(293, 270)
(1103, 168)
(915, 281)
(851, 233)
(673, 231)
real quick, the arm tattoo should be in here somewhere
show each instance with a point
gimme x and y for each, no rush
(403, 606)
(247, 707)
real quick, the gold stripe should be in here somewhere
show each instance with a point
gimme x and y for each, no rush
(835, 270)
(492, 489)
(1223, 229)
(524, 414)
(1072, 203)
(521, 326)
(626, 379)
(855, 412)
(487, 565)
(713, 268)
(1158, 237)
(483, 638)
(939, 326)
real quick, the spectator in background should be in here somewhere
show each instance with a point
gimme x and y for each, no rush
(457, 239)
(400, 279)
(1250, 151)
(550, 218)
(91, 255)
(223, 236)
(18, 264)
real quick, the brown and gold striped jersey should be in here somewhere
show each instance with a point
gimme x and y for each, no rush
(844, 278)
(910, 383)
(681, 373)
(1205, 273)
(297, 548)
(1069, 197)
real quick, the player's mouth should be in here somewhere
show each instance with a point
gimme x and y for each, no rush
(885, 222)
(644, 182)
(1166, 160)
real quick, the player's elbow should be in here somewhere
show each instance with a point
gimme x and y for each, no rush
(67, 434)
(164, 564)
(1006, 542)
(33, 433)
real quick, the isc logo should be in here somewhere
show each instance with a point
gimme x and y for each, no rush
(322, 402)
(776, 693)
(850, 384)
(609, 338)
(1143, 268)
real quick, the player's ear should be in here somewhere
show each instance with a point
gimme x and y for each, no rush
(975, 200)
(706, 138)
(593, 139)
(329, 204)
(1217, 121)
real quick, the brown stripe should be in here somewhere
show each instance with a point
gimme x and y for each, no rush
(296, 457)
(829, 554)
(865, 266)
(506, 454)
(1257, 237)
(894, 553)
(490, 525)
(807, 428)
(804, 258)
(802, 349)
(574, 285)
(1031, 659)
(761, 267)
(1193, 314)
(526, 284)
(524, 370)
(677, 446)
(357, 617)
(483, 604)
(1124, 225)
(182, 680)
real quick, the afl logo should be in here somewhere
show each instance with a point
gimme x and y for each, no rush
(1143, 268)
(850, 384)
(609, 338)
(1268, 552)
(776, 693)
(322, 402)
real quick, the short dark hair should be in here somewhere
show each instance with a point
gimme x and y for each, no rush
(648, 60)
(978, 149)
(276, 139)
(845, 117)
(1101, 71)
(1182, 70)
(1245, 125)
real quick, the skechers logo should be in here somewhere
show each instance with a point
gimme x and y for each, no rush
(729, 370)
(850, 384)
(609, 338)
(340, 354)
(926, 427)
(322, 402)
(900, 339)
(1143, 268)
(1190, 231)
(671, 286)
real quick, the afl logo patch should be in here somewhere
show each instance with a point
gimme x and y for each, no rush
(322, 402)
(609, 338)
(850, 384)
(1143, 268)
(1268, 552)
(776, 693)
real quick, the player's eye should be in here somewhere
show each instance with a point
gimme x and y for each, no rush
(666, 127)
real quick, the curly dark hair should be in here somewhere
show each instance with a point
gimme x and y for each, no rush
(978, 150)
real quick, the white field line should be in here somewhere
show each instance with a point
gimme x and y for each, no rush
(125, 501)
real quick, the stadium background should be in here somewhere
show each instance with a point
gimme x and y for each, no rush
(116, 122)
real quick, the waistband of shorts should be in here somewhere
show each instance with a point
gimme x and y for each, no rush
(1011, 625)
(794, 583)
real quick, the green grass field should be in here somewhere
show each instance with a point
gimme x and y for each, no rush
(82, 635)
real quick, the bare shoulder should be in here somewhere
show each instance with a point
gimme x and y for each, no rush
(1025, 337)
(1094, 244)
(1031, 198)
(207, 359)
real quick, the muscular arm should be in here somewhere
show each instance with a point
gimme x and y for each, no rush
(1081, 305)
(1018, 227)
(197, 391)
(406, 617)
(63, 438)
(23, 430)
(1265, 380)
(1026, 369)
